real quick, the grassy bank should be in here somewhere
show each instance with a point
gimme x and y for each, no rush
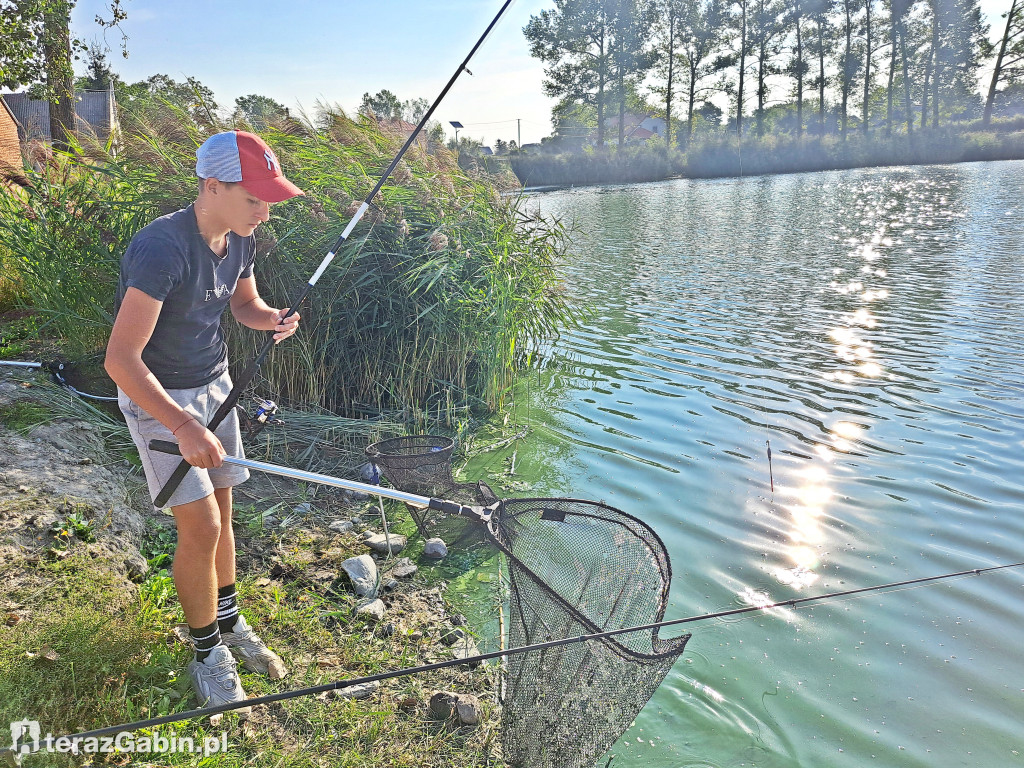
(85, 643)
(436, 298)
(723, 155)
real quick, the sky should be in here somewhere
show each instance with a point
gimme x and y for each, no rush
(300, 52)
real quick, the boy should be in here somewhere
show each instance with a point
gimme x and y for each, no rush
(168, 358)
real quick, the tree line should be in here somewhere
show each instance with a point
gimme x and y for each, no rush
(785, 66)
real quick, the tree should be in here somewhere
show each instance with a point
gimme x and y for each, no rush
(631, 57)
(741, 54)
(849, 64)
(1010, 59)
(868, 53)
(798, 67)
(766, 25)
(158, 91)
(36, 48)
(820, 11)
(414, 109)
(383, 104)
(99, 75)
(574, 42)
(701, 33)
(259, 110)
(671, 12)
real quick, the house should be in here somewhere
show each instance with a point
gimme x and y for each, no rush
(638, 128)
(404, 129)
(95, 110)
(10, 147)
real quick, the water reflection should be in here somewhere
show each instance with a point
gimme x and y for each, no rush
(867, 324)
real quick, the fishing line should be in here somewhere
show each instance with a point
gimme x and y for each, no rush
(342, 684)
(250, 372)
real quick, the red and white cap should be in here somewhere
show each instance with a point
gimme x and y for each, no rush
(244, 158)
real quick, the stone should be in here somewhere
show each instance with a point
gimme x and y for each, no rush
(372, 608)
(380, 542)
(463, 707)
(457, 620)
(356, 495)
(435, 549)
(464, 648)
(361, 691)
(303, 508)
(469, 710)
(362, 571)
(341, 526)
(452, 636)
(370, 473)
(136, 567)
(404, 568)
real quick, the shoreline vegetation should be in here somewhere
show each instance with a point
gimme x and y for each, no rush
(433, 303)
(723, 155)
(88, 612)
(422, 323)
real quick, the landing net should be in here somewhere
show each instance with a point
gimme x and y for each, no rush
(576, 568)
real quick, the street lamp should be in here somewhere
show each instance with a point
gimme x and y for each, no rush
(456, 125)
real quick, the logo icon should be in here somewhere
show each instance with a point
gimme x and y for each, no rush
(272, 164)
(25, 736)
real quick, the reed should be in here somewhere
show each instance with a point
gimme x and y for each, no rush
(431, 306)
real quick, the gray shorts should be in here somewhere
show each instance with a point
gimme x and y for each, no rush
(201, 402)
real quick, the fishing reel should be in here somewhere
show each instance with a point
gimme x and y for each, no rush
(262, 416)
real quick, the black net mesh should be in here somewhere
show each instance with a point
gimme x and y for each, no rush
(421, 464)
(575, 568)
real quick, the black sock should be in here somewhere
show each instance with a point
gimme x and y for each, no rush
(227, 608)
(205, 639)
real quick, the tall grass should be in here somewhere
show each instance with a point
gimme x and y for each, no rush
(431, 305)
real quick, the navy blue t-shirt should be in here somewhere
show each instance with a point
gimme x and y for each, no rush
(170, 261)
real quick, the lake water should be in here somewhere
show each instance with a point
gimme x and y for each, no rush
(869, 326)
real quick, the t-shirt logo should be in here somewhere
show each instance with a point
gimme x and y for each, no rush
(216, 293)
(272, 163)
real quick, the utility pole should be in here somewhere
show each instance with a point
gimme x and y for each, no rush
(519, 135)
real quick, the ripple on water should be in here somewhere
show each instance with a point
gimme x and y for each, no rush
(865, 325)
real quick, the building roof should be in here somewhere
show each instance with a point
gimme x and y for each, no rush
(94, 109)
(10, 148)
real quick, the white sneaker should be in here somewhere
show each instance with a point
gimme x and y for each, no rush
(248, 648)
(215, 680)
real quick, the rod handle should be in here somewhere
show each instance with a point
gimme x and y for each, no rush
(165, 446)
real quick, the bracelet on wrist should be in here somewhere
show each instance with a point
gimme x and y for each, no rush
(186, 421)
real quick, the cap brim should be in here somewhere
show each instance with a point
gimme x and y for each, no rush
(271, 190)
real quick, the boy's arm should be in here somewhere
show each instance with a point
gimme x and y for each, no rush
(133, 328)
(251, 311)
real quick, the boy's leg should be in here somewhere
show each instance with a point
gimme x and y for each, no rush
(213, 672)
(226, 542)
(245, 644)
(195, 559)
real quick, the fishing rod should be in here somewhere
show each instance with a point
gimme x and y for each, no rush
(250, 373)
(349, 683)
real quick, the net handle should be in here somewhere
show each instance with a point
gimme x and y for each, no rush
(482, 514)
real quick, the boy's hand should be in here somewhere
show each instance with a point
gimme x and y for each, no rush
(199, 446)
(284, 327)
